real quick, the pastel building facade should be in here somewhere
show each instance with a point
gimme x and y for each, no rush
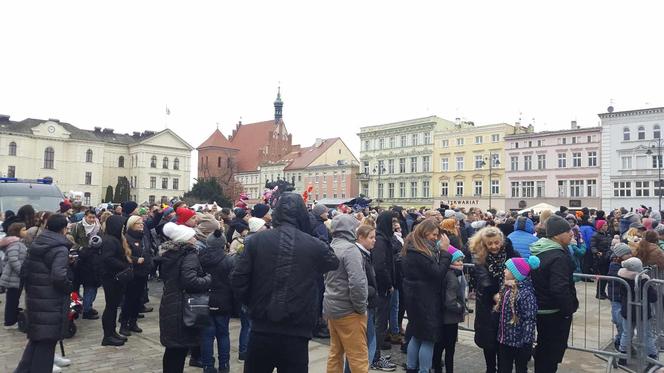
(561, 168)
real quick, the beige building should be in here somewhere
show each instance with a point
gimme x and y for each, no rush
(157, 164)
(469, 169)
(396, 161)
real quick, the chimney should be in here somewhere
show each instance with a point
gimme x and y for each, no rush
(318, 142)
(457, 121)
(136, 134)
(107, 130)
(97, 129)
(574, 125)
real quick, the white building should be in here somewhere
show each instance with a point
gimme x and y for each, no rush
(157, 164)
(631, 157)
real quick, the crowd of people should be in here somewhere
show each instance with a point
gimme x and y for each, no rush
(291, 273)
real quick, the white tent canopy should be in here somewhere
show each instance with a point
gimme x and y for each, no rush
(538, 208)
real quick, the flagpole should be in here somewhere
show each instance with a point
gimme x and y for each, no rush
(168, 113)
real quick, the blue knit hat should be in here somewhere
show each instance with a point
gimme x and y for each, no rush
(521, 267)
(456, 253)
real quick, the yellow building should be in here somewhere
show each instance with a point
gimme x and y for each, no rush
(469, 165)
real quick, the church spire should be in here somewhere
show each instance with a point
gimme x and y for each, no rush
(278, 106)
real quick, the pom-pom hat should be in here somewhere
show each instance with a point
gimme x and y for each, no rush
(520, 267)
(456, 253)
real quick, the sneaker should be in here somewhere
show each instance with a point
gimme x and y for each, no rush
(90, 316)
(387, 357)
(56, 369)
(61, 361)
(383, 365)
(11, 327)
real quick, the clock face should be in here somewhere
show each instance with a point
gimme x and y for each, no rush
(51, 129)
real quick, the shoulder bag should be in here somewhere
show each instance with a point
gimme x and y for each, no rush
(196, 310)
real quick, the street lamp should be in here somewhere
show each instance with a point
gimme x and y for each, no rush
(490, 160)
(650, 151)
(379, 170)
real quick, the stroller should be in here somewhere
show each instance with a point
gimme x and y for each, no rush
(74, 312)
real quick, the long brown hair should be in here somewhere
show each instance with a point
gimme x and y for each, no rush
(478, 246)
(449, 226)
(418, 239)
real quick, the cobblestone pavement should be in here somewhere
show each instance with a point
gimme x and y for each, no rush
(143, 352)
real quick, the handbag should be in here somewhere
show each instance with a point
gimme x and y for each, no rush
(123, 277)
(196, 309)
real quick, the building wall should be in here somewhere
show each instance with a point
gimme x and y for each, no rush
(629, 175)
(466, 142)
(573, 186)
(413, 182)
(216, 162)
(252, 184)
(70, 165)
(332, 181)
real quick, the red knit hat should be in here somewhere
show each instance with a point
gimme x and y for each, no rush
(183, 214)
(599, 224)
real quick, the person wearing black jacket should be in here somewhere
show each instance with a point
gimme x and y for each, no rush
(282, 303)
(555, 292)
(490, 254)
(383, 260)
(47, 280)
(182, 272)
(600, 245)
(141, 260)
(116, 258)
(219, 265)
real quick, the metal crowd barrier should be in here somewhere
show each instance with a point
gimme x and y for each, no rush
(650, 328)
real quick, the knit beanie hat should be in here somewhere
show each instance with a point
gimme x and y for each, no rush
(178, 233)
(133, 220)
(556, 225)
(520, 267)
(240, 213)
(456, 253)
(660, 229)
(216, 241)
(167, 211)
(599, 224)
(621, 249)
(142, 211)
(569, 217)
(183, 214)
(319, 209)
(128, 207)
(449, 214)
(260, 210)
(633, 264)
(207, 223)
(255, 224)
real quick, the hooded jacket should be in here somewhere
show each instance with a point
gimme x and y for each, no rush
(630, 278)
(523, 236)
(182, 272)
(112, 253)
(47, 286)
(346, 289)
(219, 265)
(382, 253)
(276, 275)
(553, 280)
(521, 333)
(15, 254)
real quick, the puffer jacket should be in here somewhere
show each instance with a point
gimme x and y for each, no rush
(625, 302)
(553, 280)
(219, 265)
(371, 277)
(15, 254)
(522, 332)
(423, 280)
(523, 236)
(139, 244)
(454, 304)
(276, 275)
(613, 288)
(47, 281)
(113, 256)
(346, 289)
(182, 272)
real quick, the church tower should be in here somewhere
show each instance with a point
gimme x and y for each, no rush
(278, 106)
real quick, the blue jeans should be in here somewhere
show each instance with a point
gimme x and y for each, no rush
(371, 338)
(629, 332)
(245, 329)
(218, 329)
(89, 296)
(617, 319)
(420, 353)
(394, 313)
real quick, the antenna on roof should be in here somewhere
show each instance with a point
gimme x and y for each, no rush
(610, 108)
(217, 126)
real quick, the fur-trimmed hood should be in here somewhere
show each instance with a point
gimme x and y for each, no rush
(173, 246)
(631, 275)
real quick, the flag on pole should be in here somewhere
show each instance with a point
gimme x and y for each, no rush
(168, 111)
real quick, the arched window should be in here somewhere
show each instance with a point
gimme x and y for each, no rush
(88, 156)
(626, 134)
(49, 157)
(642, 133)
(656, 133)
(12, 148)
(164, 163)
(121, 162)
(176, 164)
(153, 161)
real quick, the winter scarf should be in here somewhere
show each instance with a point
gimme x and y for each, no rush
(90, 228)
(495, 263)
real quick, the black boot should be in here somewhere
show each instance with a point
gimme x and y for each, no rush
(124, 329)
(133, 326)
(112, 341)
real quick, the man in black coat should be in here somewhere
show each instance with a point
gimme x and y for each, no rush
(47, 282)
(276, 278)
(383, 260)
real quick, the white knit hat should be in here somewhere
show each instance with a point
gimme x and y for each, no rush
(255, 224)
(178, 233)
(133, 220)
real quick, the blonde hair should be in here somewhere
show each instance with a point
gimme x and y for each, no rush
(370, 221)
(102, 219)
(513, 295)
(545, 214)
(477, 242)
(364, 230)
(418, 238)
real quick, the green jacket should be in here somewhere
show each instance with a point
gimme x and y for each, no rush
(542, 245)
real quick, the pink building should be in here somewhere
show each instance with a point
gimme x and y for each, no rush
(561, 168)
(331, 182)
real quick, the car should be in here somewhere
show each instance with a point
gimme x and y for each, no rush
(42, 194)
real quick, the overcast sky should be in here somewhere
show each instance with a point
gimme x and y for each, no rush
(341, 64)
